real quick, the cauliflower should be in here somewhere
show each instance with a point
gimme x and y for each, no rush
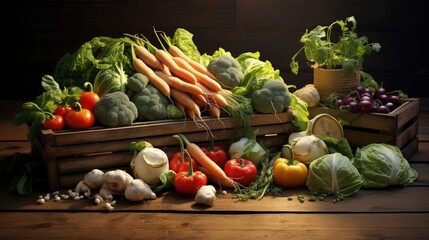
(227, 71)
(151, 104)
(115, 110)
(273, 97)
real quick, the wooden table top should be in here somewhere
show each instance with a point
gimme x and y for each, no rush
(390, 213)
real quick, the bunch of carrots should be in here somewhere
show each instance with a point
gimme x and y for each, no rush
(183, 80)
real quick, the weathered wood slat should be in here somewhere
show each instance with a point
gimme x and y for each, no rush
(152, 128)
(191, 226)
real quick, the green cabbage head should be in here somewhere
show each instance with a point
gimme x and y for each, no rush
(333, 174)
(382, 165)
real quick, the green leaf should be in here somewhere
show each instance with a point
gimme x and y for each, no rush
(49, 84)
(24, 185)
(300, 113)
(167, 181)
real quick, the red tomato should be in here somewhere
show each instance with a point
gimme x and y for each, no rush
(88, 100)
(217, 154)
(189, 183)
(62, 110)
(177, 165)
(57, 123)
(80, 119)
(241, 170)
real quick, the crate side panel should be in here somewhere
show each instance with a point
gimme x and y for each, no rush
(410, 148)
(51, 164)
(408, 112)
(156, 128)
(408, 134)
(375, 121)
(359, 138)
(87, 163)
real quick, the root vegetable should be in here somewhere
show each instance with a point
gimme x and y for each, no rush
(138, 190)
(206, 195)
(94, 179)
(309, 94)
(148, 164)
(82, 187)
(116, 180)
(309, 148)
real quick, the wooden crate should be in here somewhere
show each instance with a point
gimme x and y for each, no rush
(399, 127)
(69, 154)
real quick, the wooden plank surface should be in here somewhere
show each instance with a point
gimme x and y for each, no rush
(365, 201)
(153, 225)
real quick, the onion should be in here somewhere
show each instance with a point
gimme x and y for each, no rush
(148, 164)
(309, 148)
(247, 148)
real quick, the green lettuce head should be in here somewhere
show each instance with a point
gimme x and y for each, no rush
(383, 165)
(333, 174)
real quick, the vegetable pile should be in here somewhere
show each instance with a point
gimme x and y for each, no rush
(114, 82)
(118, 81)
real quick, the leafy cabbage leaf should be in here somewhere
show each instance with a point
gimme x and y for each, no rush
(382, 165)
(334, 174)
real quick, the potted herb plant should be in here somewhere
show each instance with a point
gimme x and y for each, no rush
(337, 64)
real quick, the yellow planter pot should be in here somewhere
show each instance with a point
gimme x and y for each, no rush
(327, 81)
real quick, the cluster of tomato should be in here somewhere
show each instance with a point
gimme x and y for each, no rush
(78, 118)
(189, 179)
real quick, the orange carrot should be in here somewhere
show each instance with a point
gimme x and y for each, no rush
(217, 99)
(201, 77)
(200, 100)
(214, 96)
(180, 106)
(178, 84)
(184, 99)
(214, 111)
(177, 52)
(190, 113)
(156, 81)
(182, 73)
(147, 57)
(215, 173)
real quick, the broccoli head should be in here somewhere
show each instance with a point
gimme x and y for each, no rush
(273, 97)
(137, 82)
(173, 112)
(227, 71)
(151, 104)
(115, 110)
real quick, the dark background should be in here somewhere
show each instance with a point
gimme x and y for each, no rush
(36, 34)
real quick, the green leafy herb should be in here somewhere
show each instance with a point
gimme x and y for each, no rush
(263, 184)
(322, 52)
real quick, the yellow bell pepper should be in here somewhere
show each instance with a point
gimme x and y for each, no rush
(289, 172)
